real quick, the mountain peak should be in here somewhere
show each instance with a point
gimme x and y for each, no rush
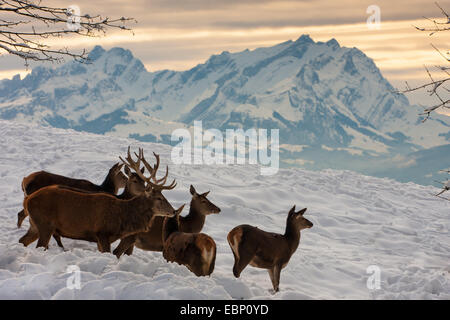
(217, 59)
(96, 53)
(304, 38)
(119, 51)
(332, 43)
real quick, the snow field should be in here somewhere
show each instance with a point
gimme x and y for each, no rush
(358, 221)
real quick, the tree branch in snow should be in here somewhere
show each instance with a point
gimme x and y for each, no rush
(25, 26)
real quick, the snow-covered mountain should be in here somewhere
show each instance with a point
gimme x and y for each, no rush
(359, 221)
(329, 102)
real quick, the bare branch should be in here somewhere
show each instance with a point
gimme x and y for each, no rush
(437, 85)
(445, 186)
(58, 22)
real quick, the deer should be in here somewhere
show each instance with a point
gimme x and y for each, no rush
(267, 250)
(114, 181)
(196, 251)
(95, 217)
(134, 185)
(152, 240)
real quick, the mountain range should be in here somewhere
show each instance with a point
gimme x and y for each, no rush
(332, 105)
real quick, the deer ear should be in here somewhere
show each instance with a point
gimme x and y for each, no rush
(292, 210)
(301, 212)
(206, 193)
(178, 211)
(115, 168)
(192, 190)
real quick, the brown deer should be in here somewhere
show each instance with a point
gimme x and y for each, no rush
(267, 250)
(95, 217)
(134, 185)
(196, 251)
(114, 181)
(152, 240)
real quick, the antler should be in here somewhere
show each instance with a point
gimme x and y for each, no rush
(135, 165)
(130, 163)
(158, 183)
(154, 169)
(150, 169)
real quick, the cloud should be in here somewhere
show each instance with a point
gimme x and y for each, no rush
(403, 162)
(237, 14)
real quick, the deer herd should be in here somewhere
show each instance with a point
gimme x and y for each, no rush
(142, 217)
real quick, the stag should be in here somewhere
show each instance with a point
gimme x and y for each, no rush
(114, 181)
(196, 251)
(134, 185)
(261, 249)
(96, 217)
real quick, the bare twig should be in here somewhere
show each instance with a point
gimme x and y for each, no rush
(445, 186)
(437, 85)
(57, 22)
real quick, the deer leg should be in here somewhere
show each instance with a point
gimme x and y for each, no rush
(57, 237)
(243, 251)
(243, 257)
(103, 243)
(274, 274)
(45, 233)
(125, 245)
(129, 251)
(212, 263)
(31, 236)
(20, 217)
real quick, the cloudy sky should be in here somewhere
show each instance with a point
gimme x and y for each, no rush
(179, 34)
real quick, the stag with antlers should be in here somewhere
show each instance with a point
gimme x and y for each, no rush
(96, 217)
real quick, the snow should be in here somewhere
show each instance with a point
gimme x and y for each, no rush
(364, 142)
(116, 81)
(359, 221)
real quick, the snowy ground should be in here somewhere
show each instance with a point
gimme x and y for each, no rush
(358, 221)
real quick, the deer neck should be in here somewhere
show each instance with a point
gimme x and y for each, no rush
(170, 226)
(136, 215)
(108, 185)
(194, 219)
(126, 194)
(292, 236)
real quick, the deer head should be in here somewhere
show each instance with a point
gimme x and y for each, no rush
(201, 204)
(152, 190)
(135, 185)
(117, 177)
(297, 220)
